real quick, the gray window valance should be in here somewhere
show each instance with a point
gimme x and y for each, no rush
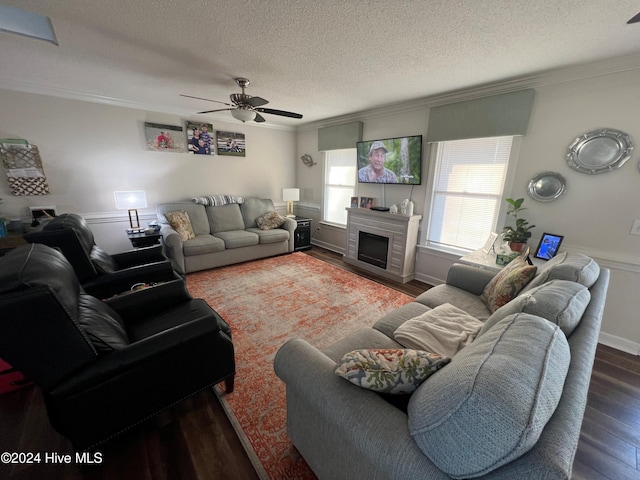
(500, 115)
(338, 137)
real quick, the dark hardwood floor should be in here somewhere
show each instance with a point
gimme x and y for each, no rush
(195, 440)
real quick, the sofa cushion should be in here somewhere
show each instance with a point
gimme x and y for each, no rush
(361, 339)
(270, 220)
(507, 283)
(559, 301)
(392, 320)
(238, 238)
(252, 208)
(180, 222)
(389, 370)
(469, 302)
(572, 266)
(225, 218)
(270, 236)
(202, 244)
(491, 403)
(445, 330)
(101, 324)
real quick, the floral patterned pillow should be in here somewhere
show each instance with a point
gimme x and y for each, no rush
(389, 370)
(270, 220)
(507, 283)
(181, 223)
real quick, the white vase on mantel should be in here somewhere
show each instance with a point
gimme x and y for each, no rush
(409, 208)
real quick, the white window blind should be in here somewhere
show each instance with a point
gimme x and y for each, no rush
(339, 184)
(468, 184)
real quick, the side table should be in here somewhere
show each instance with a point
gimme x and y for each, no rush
(302, 234)
(139, 240)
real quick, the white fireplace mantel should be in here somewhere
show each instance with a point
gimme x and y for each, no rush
(402, 232)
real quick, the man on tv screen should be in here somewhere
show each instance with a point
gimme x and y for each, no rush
(376, 172)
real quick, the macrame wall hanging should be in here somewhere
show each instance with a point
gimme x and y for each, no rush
(23, 167)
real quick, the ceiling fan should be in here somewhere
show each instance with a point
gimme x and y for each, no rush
(635, 19)
(244, 107)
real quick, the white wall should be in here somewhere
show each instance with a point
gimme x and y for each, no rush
(596, 213)
(90, 150)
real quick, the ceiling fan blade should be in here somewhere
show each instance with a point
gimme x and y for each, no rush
(256, 101)
(217, 110)
(635, 19)
(259, 118)
(282, 113)
(206, 99)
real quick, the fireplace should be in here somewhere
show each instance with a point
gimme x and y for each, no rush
(372, 249)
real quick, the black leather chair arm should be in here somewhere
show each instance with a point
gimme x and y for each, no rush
(132, 258)
(105, 286)
(144, 302)
(141, 356)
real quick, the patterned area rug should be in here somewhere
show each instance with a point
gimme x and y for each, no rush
(268, 302)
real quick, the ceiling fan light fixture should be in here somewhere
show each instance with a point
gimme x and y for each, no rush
(243, 114)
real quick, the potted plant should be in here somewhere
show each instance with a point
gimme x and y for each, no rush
(519, 235)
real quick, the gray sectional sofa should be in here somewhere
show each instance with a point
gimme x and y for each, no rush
(224, 234)
(507, 406)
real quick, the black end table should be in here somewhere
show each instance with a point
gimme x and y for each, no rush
(302, 234)
(139, 240)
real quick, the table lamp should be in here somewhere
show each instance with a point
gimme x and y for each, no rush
(131, 200)
(290, 195)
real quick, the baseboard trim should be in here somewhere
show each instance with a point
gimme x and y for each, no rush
(619, 343)
(327, 246)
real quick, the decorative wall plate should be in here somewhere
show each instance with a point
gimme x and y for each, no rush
(547, 186)
(599, 151)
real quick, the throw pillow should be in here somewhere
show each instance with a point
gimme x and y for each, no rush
(389, 370)
(181, 223)
(560, 301)
(445, 330)
(270, 220)
(507, 283)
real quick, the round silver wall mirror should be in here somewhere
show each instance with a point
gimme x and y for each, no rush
(547, 186)
(599, 151)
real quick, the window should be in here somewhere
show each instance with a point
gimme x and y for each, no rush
(468, 183)
(339, 184)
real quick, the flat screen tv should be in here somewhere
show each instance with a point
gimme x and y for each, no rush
(390, 160)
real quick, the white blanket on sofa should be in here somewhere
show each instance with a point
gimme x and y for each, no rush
(444, 330)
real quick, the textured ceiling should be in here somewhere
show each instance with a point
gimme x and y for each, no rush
(321, 58)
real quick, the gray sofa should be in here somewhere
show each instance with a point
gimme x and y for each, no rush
(224, 234)
(509, 405)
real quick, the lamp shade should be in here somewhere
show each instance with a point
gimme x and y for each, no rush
(130, 199)
(242, 114)
(290, 194)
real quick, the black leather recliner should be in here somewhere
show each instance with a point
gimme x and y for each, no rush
(106, 366)
(95, 268)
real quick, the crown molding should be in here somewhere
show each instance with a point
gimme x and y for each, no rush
(540, 79)
(51, 91)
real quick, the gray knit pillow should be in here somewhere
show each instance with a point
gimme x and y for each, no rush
(491, 403)
(559, 301)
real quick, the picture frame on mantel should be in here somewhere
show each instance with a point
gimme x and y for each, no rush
(367, 202)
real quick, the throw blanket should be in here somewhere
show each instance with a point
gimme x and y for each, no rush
(217, 200)
(444, 330)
